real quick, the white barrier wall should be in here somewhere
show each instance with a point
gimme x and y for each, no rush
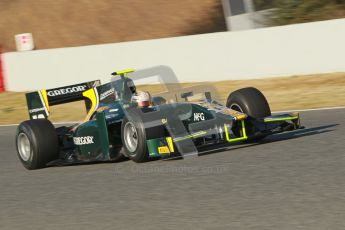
(279, 51)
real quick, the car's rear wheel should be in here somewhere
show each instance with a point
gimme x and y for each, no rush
(37, 143)
(251, 102)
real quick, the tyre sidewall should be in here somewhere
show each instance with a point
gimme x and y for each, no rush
(134, 115)
(141, 153)
(43, 142)
(251, 101)
(32, 162)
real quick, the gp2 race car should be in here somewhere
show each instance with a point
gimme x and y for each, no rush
(177, 122)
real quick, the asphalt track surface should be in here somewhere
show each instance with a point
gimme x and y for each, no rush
(289, 181)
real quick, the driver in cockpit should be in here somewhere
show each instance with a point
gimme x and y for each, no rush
(142, 99)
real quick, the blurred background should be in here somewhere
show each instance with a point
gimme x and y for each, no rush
(64, 23)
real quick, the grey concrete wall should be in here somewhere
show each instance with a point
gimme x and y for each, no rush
(278, 51)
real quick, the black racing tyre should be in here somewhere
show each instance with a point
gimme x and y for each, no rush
(134, 136)
(251, 102)
(37, 143)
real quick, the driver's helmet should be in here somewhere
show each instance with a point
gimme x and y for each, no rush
(142, 98)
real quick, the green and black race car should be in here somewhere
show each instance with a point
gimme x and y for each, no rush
(178, 122)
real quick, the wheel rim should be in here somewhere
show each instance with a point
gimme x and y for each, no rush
(130, 137)
(24, 146)
(236, 107)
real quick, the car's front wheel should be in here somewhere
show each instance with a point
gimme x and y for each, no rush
(134, 136)
(251, 102)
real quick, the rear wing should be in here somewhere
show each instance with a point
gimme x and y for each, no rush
(39, 102)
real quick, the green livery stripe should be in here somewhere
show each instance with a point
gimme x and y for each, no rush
(201, 133)
(282, 119)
